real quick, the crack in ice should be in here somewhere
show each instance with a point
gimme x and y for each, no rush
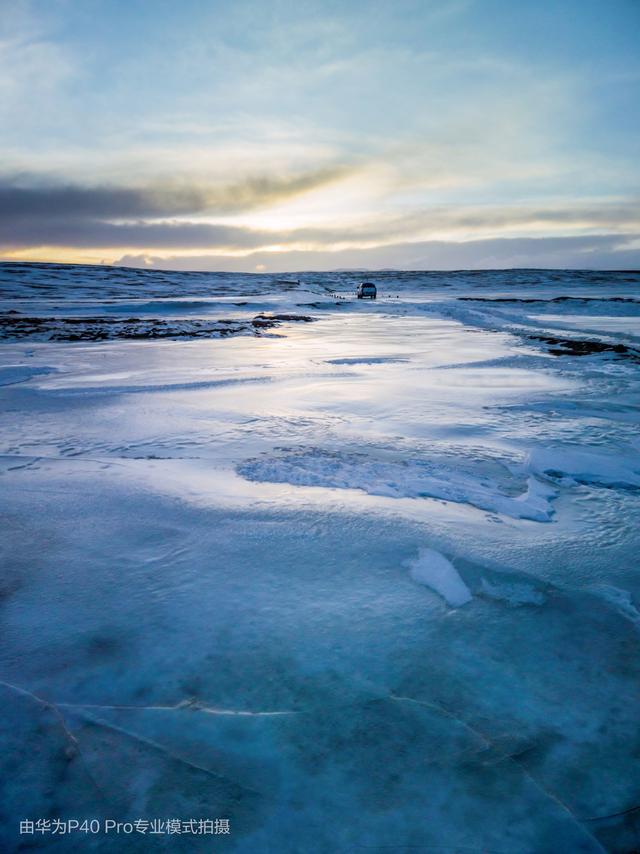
(192, 704)
(74, 744)
(185, 704)
(489, 744)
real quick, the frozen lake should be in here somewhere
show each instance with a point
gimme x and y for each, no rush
(352, 575)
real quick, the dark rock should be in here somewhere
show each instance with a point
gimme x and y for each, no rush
(585, 347)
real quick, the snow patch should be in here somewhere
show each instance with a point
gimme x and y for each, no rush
(588, 467)
(398, 478)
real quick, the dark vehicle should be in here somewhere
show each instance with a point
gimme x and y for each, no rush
(367, 290)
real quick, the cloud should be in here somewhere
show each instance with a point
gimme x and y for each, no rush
(97, 234)
(172, 218)
(34, 71)
(26, 197)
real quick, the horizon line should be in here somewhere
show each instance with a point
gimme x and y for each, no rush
(354, 270)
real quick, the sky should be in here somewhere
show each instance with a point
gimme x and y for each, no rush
(284, 135)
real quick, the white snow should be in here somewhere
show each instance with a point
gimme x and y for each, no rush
(586, 466)
(434, 570)
(399, 478)
(600, 323)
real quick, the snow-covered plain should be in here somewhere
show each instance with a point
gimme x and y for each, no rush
(363, 583)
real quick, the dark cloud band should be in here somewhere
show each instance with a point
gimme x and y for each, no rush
(157, 218)
(28, 196)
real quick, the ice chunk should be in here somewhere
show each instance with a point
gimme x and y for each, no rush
(536, 501)
(434, 570)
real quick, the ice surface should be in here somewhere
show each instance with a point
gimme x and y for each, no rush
(514, 593)
(11, 374)
(434, 570)
(371, 584)
(621, 600)
(365, 360)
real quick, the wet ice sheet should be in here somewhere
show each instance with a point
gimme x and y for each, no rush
(185, 636)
